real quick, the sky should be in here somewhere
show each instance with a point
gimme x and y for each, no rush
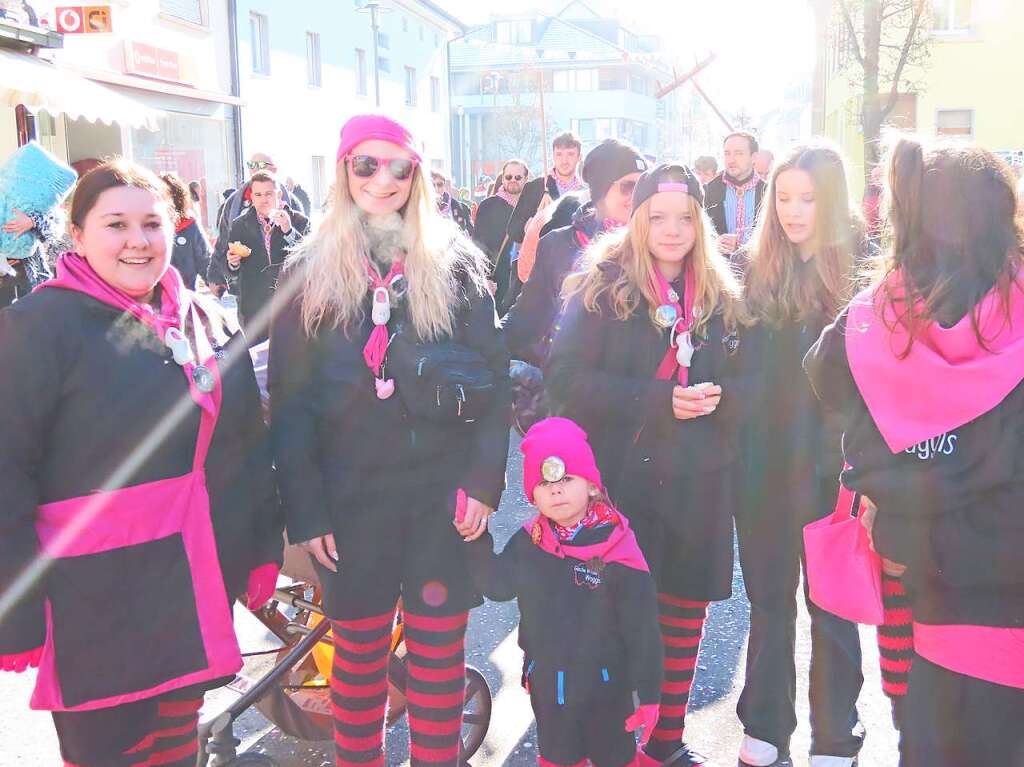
(761, 45)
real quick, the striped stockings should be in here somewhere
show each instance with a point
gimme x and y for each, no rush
(895, 643)
(434, 688)
(174, 740)
(682, 624)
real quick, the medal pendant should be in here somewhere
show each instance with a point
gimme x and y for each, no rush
(204, 379)
(381, 311)
(665, 316)
(684, 352)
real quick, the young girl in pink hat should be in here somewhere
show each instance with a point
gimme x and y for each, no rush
(589, 614)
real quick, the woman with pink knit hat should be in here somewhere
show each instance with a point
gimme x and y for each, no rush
(589, 625)
(389, 391)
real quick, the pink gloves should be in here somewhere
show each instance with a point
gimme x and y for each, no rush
(21, 661)
(262, 582)
(647, 717)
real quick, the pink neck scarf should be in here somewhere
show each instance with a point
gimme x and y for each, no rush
(946, 380)
(680, 337)
(74, 273)
(377, 345)
(509, 198)
(571, 185)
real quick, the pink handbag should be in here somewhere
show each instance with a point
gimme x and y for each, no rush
(844, 574)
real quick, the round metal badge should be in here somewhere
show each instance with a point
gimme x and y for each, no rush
(204, 379)
(665, 316)
(181, 240)
(553, 468)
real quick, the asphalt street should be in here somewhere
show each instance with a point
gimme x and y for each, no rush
(27, 739)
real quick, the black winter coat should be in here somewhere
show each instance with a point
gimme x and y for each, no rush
(530, 322)
(191, 254)
(601, 374)
(575, 619)
(257, 274)
(950, 508)
(714, 201)
(84, 386)
(335, 441)
(529, 203)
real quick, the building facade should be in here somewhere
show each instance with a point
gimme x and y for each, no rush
(304, 74)
(964, 89)
(170, 58)
(524, 74)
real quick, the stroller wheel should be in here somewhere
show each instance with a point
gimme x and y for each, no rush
(476, 713)
(252, 760)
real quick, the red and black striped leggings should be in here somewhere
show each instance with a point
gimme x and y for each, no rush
(160, 732)
(435, 684)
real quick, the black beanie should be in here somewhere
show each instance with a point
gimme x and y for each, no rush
(678, 176)
(607, 162)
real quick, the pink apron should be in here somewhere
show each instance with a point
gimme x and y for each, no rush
(147, 558)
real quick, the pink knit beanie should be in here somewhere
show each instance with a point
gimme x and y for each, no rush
(553, 448)
(366, 127)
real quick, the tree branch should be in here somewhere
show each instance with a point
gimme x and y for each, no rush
(848, 20)
(908, 43)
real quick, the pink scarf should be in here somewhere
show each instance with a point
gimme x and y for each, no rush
(571, 186)
(946, 380)
(510, 199)
(621, 546)
(741, 199)
(74, 273)
(377, 345)
(680, 335)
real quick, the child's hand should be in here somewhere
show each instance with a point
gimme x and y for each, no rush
(647, 717)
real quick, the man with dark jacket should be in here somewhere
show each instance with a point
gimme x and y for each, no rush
(490, 230)
(733, 198)
(611, 170)
(256, 247)
(562, 179)
(218, 274)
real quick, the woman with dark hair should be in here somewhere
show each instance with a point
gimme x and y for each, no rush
(927, 366)
(139, 498)
(799, 272)
(389, 398)
(646, 360)
(191, 255)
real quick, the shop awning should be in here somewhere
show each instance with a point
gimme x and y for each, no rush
(40, 85)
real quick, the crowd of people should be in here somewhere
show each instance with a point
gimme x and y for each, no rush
(689, 354)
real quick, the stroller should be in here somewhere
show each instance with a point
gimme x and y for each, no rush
(295, 694)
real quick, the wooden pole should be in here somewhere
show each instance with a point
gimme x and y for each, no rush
(663, 92)
(728, 125)
(543, 121)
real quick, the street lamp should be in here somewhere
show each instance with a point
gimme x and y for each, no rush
(374, 8)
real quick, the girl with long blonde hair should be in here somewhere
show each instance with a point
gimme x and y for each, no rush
(646, 360)
(799, 272)
(389, 392)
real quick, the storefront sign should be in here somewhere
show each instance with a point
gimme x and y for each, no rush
(149, 61)
(83, 19)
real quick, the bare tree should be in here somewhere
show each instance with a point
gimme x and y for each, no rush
(516, 132)
(888, 40)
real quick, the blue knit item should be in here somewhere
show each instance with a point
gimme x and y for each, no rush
(33, 181)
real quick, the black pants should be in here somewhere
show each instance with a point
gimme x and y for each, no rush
(399, 543)
(952, 720)
(568, 735)
(771, 553)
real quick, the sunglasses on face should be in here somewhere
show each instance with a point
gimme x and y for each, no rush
(626, 188)
(365, 166)
(510, 177)
(258, 164)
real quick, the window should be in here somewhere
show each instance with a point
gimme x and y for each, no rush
(421, 33)
(586, 79)
(314, 66)
(260, 43)
(514, 32)
(184, 10)
(383, 41)
(611, 79)
(361, 87)
(562, 81)
(410, 87)
(955, 122)
(383, 64)
(605, 128)
(437, 39)
(405, 24)
(435, 94)
(583, 128)
(319, 175)
(951, 15)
